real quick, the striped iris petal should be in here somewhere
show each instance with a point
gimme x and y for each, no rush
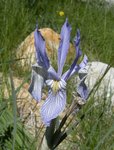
(63, 46)
(53, 106)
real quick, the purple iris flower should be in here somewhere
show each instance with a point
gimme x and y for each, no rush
(43, 74)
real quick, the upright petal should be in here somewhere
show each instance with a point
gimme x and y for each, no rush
(53, 106)
(78, 54)
(41, 55)
(35, 89)
(63, 46)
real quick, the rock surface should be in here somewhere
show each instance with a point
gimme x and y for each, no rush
(105, 89)
(27, 108)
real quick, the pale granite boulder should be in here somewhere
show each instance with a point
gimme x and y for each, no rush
(101, 79)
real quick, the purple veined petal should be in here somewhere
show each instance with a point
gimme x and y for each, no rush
(62, 84)
(84, 62)
(63, 46)
(77, 38)
(66, 73)
(77, 44)
(52, 74)
(36, 86)
(53, 106)
(82, 90)
(78, 54)
(83, 68)
(76, 68)
(41, 56)
(74, 71)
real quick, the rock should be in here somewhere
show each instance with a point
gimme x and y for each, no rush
(28, 109)
(106, 86)
(26, 51)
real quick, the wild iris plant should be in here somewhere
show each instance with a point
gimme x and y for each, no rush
(43, 74)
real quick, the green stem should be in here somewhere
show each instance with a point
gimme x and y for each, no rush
(47, 142)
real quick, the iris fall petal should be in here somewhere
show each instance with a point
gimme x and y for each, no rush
(53, 106)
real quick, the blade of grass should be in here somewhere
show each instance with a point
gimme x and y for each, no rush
(14, 109)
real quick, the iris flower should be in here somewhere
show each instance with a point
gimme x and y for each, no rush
(43, 74)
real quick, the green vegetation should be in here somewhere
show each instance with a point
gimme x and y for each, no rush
(96, 23)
